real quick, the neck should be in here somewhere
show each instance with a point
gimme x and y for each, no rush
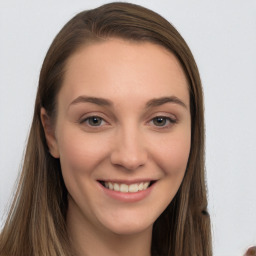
(88, 240)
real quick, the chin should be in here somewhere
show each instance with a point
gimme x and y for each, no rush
(128, 223)
(129, 229)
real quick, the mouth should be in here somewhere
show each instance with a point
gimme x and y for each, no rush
(127, 188)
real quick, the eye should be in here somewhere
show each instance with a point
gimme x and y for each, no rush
(94, 121)
(162, 121)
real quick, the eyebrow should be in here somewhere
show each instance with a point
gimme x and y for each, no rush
(151, 103)
(94, 100)
(160, 101)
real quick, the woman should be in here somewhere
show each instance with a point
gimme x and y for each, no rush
(115, 158)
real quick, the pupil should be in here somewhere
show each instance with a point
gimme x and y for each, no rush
(160, 121)
(94, 121)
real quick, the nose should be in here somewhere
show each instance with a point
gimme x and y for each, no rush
(129, 150)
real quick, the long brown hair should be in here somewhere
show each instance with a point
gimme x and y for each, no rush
(36, 222)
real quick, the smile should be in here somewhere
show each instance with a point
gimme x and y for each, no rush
(127, 191)
(125, 188)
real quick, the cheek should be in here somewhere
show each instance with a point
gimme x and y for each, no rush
(172, 154)
(172, 158)
(80, 153)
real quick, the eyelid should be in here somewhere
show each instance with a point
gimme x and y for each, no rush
(170, 117)
(91, 117)
(163, 114)
(85, 117)
(165, 117)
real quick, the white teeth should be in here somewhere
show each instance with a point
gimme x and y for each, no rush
(141, 186)
(133, 188)
(124, 188)
(110, 185)
(116, 187)
(145, 185)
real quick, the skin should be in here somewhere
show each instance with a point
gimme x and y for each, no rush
(127, 143)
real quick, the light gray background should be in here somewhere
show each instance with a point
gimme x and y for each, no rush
(222, 36)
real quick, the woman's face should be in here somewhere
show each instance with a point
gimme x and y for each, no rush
(122, 134)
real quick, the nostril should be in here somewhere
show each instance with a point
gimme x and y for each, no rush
(127, 162)
(130, 156)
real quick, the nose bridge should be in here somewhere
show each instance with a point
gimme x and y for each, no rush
(129, 150)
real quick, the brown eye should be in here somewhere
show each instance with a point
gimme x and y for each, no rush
(160, 121)
(163, 121)
(94, 121)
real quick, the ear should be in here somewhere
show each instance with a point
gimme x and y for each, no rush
(49, 134)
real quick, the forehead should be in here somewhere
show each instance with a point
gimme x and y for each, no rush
(119, 69)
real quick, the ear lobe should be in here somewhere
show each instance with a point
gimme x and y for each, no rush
(49, 134)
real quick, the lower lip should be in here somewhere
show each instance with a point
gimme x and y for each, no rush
(128, 197)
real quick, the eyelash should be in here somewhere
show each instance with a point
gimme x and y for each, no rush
(87, 120)
(170, 121)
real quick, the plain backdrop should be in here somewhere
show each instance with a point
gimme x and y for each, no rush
(222, 37)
